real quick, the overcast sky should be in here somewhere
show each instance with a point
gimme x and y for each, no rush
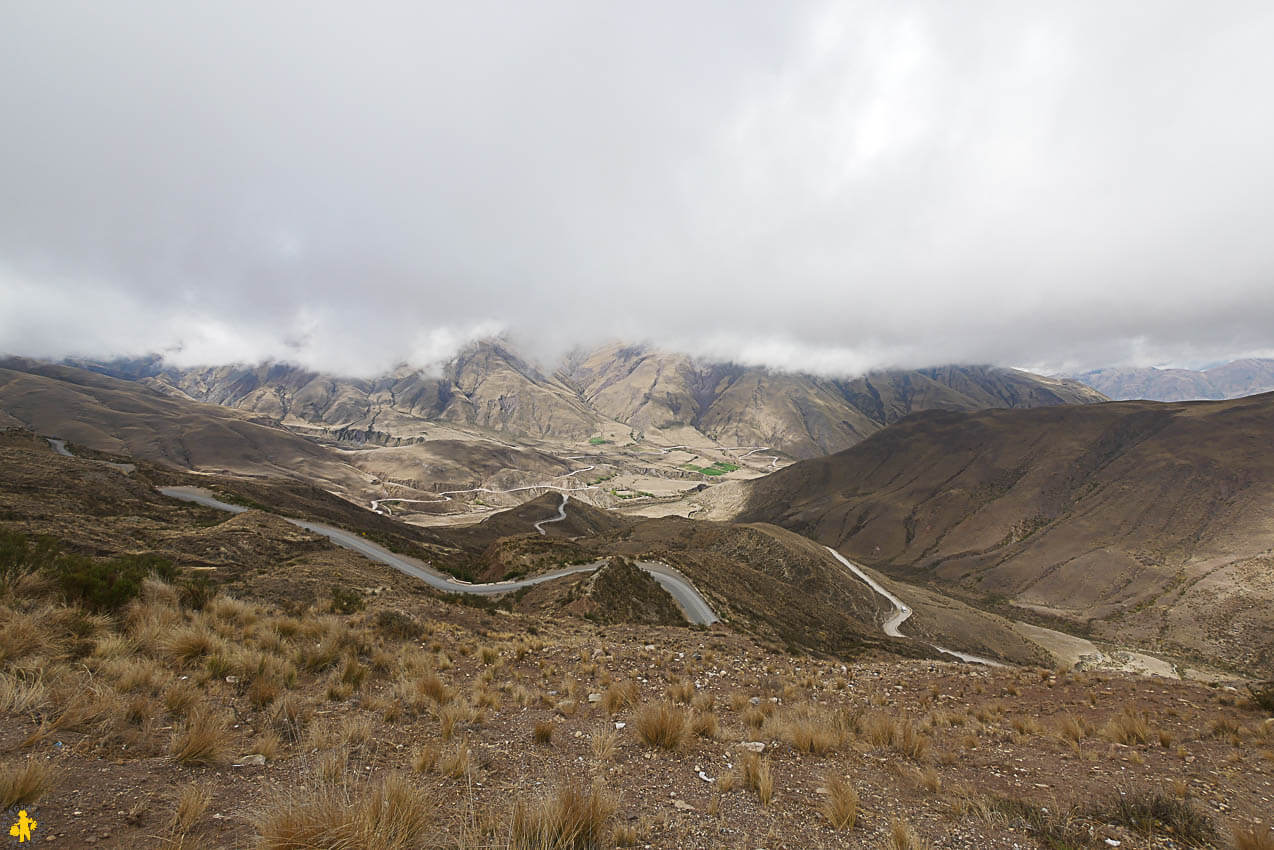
(827, 186)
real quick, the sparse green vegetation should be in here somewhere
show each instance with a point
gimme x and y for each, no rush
(719, 467)
(599, 441)
(346, 600)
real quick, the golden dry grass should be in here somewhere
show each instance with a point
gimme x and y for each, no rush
(812, 730)
(21, 694)
(203, 740)
(392, 815)
(902, 837)
(602, 743)
(24, 782)
(1129, 727)
(841, 806)
(1073, 728)
(457, 762)
(570, 818)
(759, 777)
(618, 696)
(192, 801)
(661, 724)
(705, 724)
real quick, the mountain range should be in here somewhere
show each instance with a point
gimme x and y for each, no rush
(489, 386)
(1230, 380)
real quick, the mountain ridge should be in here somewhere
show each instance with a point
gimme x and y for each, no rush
(489, 386)
(1238, 378)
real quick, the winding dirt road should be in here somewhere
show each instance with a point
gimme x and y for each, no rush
(693, 605)
(561, 515)
(901, 612)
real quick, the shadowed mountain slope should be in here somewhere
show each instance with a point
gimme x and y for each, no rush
(1153, 521)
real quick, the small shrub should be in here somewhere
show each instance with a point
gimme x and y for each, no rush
(347, 601)
(196, 591)
(543, 733)
(21, 556)
(1262, 694)
(395, 624)
(1151, 812)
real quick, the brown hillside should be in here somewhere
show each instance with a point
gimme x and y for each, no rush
(124, 417)
(1155, 521)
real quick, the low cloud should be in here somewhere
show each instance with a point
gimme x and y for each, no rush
(826, 186)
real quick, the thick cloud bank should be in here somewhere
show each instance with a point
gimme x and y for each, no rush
(829, 186)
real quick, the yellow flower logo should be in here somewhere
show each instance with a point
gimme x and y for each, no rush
(22, 829)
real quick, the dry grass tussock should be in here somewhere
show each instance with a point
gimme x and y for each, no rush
(192, 801)
(571, 818)
(883, 730)
(204, 739)
(902, 837)
(391, 815)
(618, 696)
(841, 806)
(759, 777)
(1129, 727)
(811, 729)
(661, 724)
(24, 782)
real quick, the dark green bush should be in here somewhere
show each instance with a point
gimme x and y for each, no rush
(106, 585)
(395, 624)
(1263, 694)
(21, 555)
(346, 601)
